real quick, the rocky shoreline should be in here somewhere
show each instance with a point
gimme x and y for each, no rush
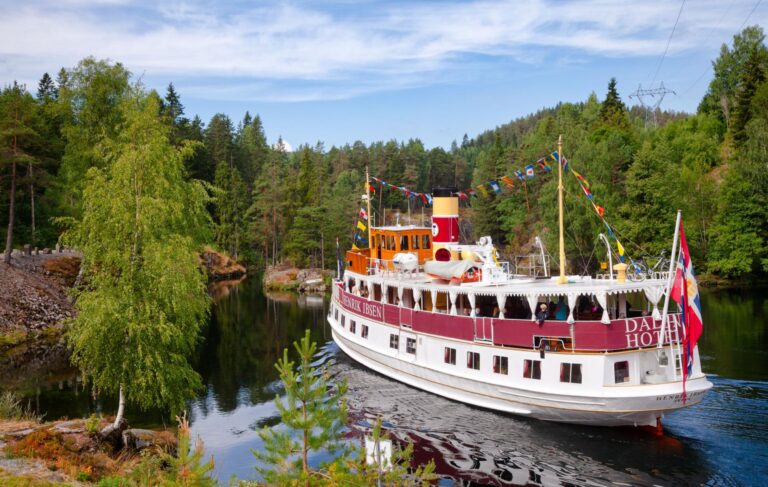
(285, 277)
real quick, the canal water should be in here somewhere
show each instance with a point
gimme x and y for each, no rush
(722, 441)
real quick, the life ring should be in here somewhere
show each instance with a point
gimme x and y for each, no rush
(472, 275)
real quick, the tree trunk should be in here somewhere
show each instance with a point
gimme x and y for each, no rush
(32, 200)
(113, 433)
(120, 409)
(11, 209)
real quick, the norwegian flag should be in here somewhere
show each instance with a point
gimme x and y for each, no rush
(685, 292)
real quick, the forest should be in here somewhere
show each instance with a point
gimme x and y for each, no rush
(269, 205)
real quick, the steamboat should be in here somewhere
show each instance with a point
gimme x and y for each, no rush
(451, 319)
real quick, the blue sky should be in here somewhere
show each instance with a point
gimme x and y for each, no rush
(337, 71)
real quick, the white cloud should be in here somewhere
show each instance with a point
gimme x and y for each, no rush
(319, 50)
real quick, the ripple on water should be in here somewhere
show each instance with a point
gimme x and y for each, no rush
(484, 447)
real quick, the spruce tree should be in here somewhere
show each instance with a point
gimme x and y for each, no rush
(313, 420)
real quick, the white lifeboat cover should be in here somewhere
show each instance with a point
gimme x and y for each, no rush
(452, 269)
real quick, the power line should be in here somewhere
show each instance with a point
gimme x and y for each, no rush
(706, 70)
(750, 14)
(669, 41)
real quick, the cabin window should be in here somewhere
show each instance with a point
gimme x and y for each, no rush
(364, 331)
(473, 360)
(570, 373)
(391, 243)
(500, 365)
(343, 319)
(621, 372)
(336, 315)
(415, 242)
(394, 341)
(404, 242)
(532, 369)
(450, 355)
(352, 326)
(410, 345)
(425, 242)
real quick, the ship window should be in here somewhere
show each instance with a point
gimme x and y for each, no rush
(678, 364)
(410, 345)
(404, 242)
(336, 314)
(343, 320)
(415, 242)
(391, 243)
(570, 373)
(621, 372)
(394, 341)
(364, 331)
(473, 360)
(500, 365)
(425, 242)
(352, 326)
(532, 369)
(450, 355)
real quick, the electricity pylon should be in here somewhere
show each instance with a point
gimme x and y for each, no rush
(656, 94)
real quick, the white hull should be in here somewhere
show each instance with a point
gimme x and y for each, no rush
(590, 403)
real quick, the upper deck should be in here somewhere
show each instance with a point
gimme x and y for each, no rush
(587, 314)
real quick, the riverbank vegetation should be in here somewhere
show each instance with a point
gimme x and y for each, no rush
(271, 205)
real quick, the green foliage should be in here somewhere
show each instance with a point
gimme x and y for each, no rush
(90, 96)
(142, 228)
(313, 420)
(92, 424)
(11, 408)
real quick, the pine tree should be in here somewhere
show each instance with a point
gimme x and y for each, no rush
(313, 422)
(17, 121)
(142, 228)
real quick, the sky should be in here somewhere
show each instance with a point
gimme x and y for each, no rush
(337, 71)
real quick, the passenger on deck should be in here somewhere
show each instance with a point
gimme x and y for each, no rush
(542, 314)
(496, 312)
(561, 313)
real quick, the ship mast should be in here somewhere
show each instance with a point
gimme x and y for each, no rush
(562, 279)
(368, 201)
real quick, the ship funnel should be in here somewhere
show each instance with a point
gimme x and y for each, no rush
(445, 220)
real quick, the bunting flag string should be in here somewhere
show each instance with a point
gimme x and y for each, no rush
(494, 186)
(584, 184)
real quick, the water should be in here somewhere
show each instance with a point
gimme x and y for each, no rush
(722, 441)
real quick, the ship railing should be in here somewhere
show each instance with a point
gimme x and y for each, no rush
(500, 272)
(387, 268)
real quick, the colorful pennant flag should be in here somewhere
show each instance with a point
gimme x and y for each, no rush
(462, 195)
(587, 192)
(508, 182)
(529, 171)
(543, 164)
(471, 192)
(621, 249)
(363, 214)
(495, 186)
(423, 198)
(580, 178)
(483, 189)
(361, 226)
(520, 175)
(429, 198)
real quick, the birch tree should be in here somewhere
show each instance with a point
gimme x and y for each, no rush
(144, 298)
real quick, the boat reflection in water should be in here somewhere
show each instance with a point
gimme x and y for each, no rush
(472, 446)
